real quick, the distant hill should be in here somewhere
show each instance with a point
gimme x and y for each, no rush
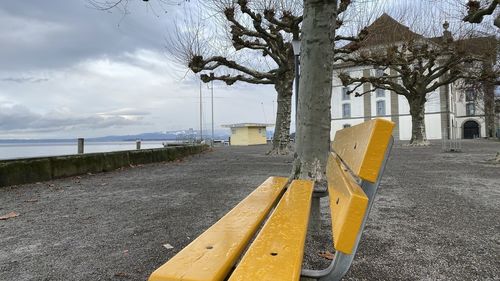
(220, 134)
(170, 135)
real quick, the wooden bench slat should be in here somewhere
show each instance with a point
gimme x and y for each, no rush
(363, 146)
(212, 255)
(348, 203)
(277, 252)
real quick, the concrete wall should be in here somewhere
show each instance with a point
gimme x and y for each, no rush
(248, 136)
(29, 170)
(239, 136)
(257, 135)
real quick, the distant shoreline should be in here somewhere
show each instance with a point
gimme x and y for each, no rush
(14, 141)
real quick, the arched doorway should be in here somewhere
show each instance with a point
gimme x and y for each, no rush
(471, 130)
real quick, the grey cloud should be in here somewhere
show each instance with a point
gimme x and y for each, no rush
(24, 79)
(20, 118)
(125, 112)
(73, 32)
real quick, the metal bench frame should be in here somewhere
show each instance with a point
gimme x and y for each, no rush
(342, 262)
(354, 171)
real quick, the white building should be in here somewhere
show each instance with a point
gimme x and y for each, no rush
(449, 112)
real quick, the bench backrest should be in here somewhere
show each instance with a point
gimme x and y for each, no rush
(362, 147)
(358, 151)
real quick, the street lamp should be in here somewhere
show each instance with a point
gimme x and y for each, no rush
(212, 78)
(296, 52)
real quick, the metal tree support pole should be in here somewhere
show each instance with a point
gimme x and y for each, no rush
(80, 145)
(212, 112)
(296, 51)
(297, 78)
(201, 115)
(342, 262)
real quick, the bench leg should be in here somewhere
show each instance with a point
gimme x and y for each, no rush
(315, 220)
(337, 269)
(342, 262)
(315, 217)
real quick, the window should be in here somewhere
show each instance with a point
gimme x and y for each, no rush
(380, 108)
(469, 95)
(470, 109)
(468, 64)
(346, 110)
(379, 72)
(380, 93)
(345, 96)
(347, 125)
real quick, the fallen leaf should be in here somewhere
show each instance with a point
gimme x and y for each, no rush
(9, 216)
(51, 185)
(104, 184)
(326, 254)
(31, 200)
(168, 246)
(121, 274)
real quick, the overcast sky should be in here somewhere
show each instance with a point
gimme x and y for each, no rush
(67, 71)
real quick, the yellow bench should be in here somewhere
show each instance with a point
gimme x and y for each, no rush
(355, 167)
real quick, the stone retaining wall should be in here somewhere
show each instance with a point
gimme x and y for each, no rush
(29, 170)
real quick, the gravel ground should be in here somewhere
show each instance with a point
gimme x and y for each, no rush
(436, 217)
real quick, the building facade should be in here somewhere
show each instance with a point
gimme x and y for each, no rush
(450, 111)
(244, 134)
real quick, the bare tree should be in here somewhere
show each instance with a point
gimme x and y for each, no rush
(477, 10)
(479, 88)
(314, 114)
(257, 49)
(489, 77)
(122, 5)
(410, 65)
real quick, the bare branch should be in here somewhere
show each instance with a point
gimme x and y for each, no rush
(476, 14)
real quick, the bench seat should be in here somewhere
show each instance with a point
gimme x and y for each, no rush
(277, 252)
(212, 255)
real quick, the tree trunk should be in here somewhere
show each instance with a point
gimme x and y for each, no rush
(281, 138)
(314, 115)
(489, 103)
(417, 112)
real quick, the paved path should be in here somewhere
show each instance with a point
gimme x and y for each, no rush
(436, 216)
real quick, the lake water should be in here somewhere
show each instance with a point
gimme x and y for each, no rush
(24, 150)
